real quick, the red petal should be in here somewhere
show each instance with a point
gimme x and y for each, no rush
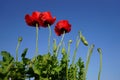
(28, 19)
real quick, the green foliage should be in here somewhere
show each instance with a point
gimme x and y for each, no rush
(47, 66)
(81, 66)
(42, 67)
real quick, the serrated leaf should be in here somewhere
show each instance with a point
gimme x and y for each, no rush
(44, 72)
(36, 71)
(26, 60)
(6, 57)
(57, 69)
(24, 53)
(8, 67)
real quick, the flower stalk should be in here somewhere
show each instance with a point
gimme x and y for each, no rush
(70, 41)
(18, 45)
(49, 38)
(100, 68)
(76, 48)
(90, 50)
(58, 48)
(68, 53)
(36, 52)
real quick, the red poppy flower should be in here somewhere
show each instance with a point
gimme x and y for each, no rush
(62, 26)
(45, 18)
(33, 19)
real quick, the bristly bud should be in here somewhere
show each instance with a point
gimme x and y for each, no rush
(20, 39)
(63, 51)
(99, 50)
(70, 41)
(84, 41)
(54, 45)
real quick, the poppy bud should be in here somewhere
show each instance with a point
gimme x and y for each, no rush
(20, 39)
(54, 45)
(99, 50)
(84, 41)
(70, 41)
(63, 51)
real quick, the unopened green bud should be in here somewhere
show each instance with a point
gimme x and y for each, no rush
(63, 51)
(70, 41)
(83, 39)
(54, 45)
(85, 43)
(54, 48)
(20, 39)
(99, 50)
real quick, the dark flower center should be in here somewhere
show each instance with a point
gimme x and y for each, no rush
(46, 23)
(63, 30)
(35, 22)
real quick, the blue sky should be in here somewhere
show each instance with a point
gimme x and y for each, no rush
(99, 21)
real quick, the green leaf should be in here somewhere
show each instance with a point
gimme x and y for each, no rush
(9, 67)
(7, 58)
(26, 61)
(57, 69)
(81, 69)
(24, 53)
(36, 70)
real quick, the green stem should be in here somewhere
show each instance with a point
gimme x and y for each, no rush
(74, 56)
(49, 38)
(77, 44)
(36, 53)
(74, 73)
(58, 48)
(100, 68)
(54, 47)
(67, 70)
(18, 45)
(17, 51)
(70, 41)
(90, 50)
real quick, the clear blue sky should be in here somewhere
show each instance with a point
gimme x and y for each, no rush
(99, 21)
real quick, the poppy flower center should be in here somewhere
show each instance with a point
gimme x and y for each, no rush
(35, 22)
(63, 30)
(46, 23)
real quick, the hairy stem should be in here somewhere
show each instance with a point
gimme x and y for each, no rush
(68, 53)
(90, 50)
(58, 48)
(100, 68)
(49, 38)
(17, 51)
(36, 52)
(18, 45)
(77, 44)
